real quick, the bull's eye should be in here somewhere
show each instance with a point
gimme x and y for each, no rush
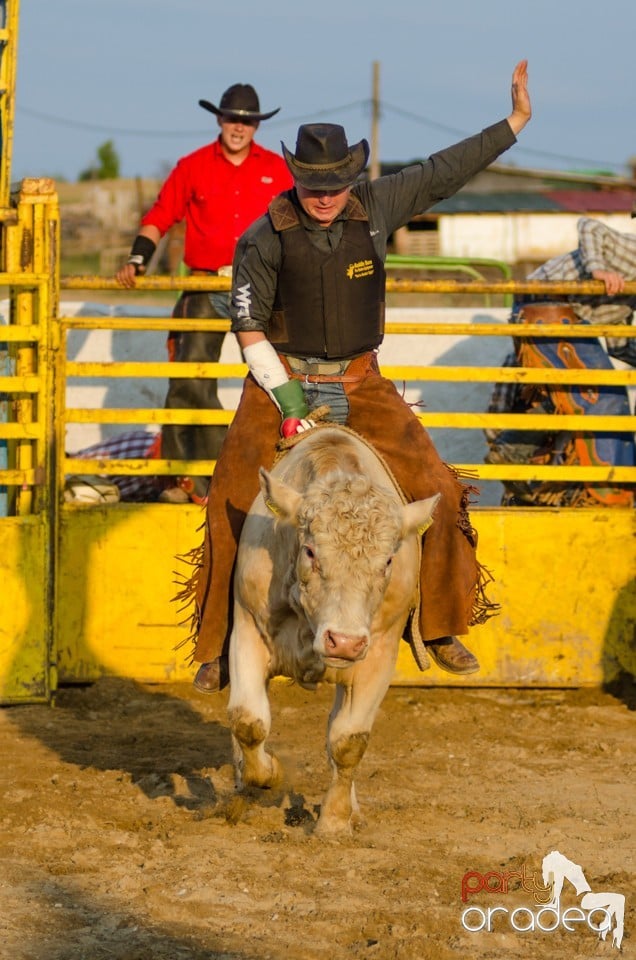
(309, 553)
(389, 562)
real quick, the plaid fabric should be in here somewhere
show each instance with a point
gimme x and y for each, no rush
(561, 447)
(136, 445)
(600, 248)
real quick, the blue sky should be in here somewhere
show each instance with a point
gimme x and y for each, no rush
(132, 71)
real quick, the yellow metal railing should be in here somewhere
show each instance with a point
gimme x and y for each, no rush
(27, 390)
(29, 514)
(29, 254)
(9, 19)
(41, 423)
(407, 373)
(466, 265)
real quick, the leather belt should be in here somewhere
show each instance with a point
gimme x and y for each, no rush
(323, 371)
(317, 368)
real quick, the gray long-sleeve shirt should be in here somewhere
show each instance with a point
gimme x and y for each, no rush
(390, 202)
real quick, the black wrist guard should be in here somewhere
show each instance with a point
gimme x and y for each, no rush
(141, 253)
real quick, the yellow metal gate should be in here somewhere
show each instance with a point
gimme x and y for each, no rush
(87, 590)
(27, 531)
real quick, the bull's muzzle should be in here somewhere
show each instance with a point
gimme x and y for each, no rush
(343, 647)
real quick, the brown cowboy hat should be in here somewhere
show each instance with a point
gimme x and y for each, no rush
(239, 100)
(323, 159)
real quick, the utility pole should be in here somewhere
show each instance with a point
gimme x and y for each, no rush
(374, 166)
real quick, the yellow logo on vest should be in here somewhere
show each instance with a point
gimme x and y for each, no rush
(362, 268)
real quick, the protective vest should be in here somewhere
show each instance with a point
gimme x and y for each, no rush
(327, 304)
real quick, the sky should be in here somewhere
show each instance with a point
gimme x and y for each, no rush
(133, 71)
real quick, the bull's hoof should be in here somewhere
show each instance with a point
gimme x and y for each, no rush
(358, 822)
(235, 809)
(329, 828)
(266, 774)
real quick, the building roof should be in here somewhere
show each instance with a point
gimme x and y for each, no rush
(543, 201)
(597, 201)
(501, 202)
(500, 189)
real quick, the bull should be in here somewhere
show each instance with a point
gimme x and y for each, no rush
(326, 576)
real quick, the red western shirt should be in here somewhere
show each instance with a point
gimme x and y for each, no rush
(217, 200)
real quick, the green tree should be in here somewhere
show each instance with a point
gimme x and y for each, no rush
(107, 166)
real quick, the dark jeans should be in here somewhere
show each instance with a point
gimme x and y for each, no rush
(184, 441)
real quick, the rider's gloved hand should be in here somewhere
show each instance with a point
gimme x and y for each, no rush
(291, 400)
(292, 425)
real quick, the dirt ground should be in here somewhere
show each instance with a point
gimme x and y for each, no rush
(122, 837)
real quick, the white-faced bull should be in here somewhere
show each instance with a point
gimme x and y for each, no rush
(326, 575)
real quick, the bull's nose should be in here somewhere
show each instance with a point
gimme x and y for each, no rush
(343, 645)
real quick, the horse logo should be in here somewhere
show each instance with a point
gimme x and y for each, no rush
(557, 869)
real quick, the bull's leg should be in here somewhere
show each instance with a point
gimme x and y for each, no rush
(248, 708)
(350, 722)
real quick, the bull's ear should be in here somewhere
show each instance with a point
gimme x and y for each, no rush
(283, 501)
(419, 515)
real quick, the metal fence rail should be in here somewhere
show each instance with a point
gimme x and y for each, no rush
(25, 384)
(404, 373)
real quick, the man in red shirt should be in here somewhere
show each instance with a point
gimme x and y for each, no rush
(219, 190)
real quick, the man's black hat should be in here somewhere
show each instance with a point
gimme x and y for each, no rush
(323, 159)
(239, 100)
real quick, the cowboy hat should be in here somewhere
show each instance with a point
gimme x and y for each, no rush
(239, 100)
(323, 159)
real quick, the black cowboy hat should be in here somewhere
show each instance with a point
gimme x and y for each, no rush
(239, 100)
(323, 159)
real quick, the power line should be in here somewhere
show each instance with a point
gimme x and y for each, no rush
(518, 147)
(102, 128)
(122, 131)
(330, 111)
(416, 118)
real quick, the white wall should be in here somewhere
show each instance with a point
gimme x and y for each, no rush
(516, 236)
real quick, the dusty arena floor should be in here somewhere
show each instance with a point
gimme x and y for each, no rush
(122, 839)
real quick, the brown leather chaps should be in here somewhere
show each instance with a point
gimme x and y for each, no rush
(449, 569)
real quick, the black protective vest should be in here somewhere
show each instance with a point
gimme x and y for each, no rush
(327, 304)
